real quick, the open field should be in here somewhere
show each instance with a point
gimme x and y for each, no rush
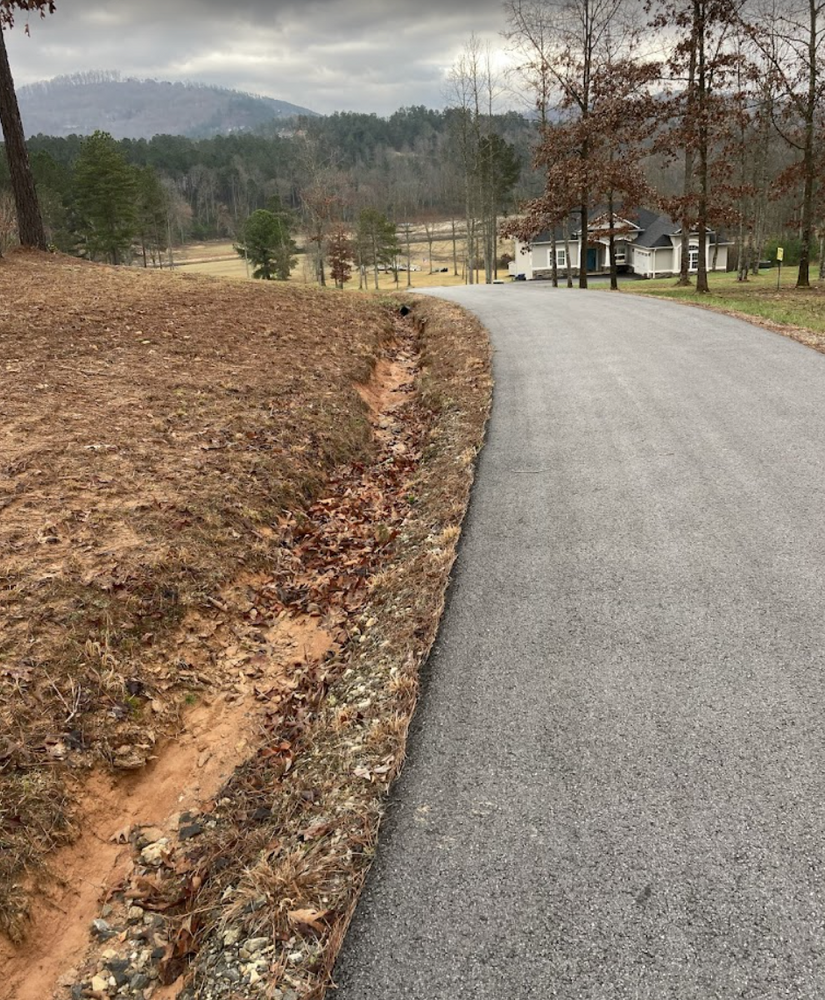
(227, 518)
(797, 312)
(218, 259)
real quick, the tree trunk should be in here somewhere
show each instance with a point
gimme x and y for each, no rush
(809, 164)
(822, 256)
(583, 245)
(29, 220)
(702, 270)
(455, 250)
(614, 272)
(567, 253)
(686, 222)
(687, 186)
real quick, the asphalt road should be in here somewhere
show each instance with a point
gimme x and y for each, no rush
(616, 781)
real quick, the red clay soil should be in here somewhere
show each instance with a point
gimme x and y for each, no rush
(227, 519)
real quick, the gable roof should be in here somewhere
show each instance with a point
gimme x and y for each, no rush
(655, 229)
(658, 232)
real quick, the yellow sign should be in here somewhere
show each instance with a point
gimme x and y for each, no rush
(780, 253)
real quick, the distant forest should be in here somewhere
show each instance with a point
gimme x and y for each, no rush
(410, 166)
(407, 166)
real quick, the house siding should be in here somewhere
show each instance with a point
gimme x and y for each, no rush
(535, 261)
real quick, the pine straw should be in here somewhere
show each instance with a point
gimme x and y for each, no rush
(154, 429)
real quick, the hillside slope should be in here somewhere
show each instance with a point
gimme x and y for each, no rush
(139, 109)
(220, 569)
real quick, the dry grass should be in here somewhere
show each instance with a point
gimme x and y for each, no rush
(153, 428)
(217, 259)
(177, 449)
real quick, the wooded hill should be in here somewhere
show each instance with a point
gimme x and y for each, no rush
(138, 109)
(406, 166)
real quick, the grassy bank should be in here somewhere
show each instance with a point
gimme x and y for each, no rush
(799, 312)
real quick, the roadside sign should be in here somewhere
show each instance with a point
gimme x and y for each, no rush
(780, 253)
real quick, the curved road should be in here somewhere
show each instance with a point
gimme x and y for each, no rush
(616, 780)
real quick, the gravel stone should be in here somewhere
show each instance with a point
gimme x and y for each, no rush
(231, 937)
(152, 854)
(102, 930)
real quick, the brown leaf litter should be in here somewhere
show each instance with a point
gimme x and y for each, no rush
(227, 519)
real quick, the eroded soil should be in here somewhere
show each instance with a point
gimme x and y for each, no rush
(247, 593)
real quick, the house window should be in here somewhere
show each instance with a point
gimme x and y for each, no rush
(693, 258)
(561, 258)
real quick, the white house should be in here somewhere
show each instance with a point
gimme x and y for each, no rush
(647, 244)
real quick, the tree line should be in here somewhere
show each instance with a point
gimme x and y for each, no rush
(730, 92)
(170, 190)
(710, 110)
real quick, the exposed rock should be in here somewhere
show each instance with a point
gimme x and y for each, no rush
(153, 854)
(147, 835)
(231, 937)
(102, 930)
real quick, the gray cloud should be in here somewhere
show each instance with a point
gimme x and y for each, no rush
(328, 55)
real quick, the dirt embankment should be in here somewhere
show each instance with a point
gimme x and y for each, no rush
(227, 519)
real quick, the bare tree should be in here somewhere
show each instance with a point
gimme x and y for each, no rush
(568, 42)
(486, 160)
(699, 71)
(791, 39)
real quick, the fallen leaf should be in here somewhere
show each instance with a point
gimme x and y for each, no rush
(308, 918)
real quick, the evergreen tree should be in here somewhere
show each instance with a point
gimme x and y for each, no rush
(266, 242)
(376, 243)
(152, 209)
(340, 253)
(105, 190)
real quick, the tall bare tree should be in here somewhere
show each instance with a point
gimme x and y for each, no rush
(790, 37)
(488, 163)
(699, 71)
(568, 42)
(29, 219)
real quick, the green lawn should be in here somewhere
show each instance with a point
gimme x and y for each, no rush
(758, 297)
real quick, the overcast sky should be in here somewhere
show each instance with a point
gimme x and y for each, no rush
(327, 55)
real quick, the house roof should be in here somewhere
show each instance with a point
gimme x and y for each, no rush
(655, 228)
(658, 232)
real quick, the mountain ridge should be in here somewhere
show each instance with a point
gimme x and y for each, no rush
(132, 108)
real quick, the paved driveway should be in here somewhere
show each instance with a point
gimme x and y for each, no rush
(616, 779)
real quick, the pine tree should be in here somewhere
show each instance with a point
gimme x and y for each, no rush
(340, 253)
(105, 198)
(152, 208)
(376, 243)
(267, 244)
